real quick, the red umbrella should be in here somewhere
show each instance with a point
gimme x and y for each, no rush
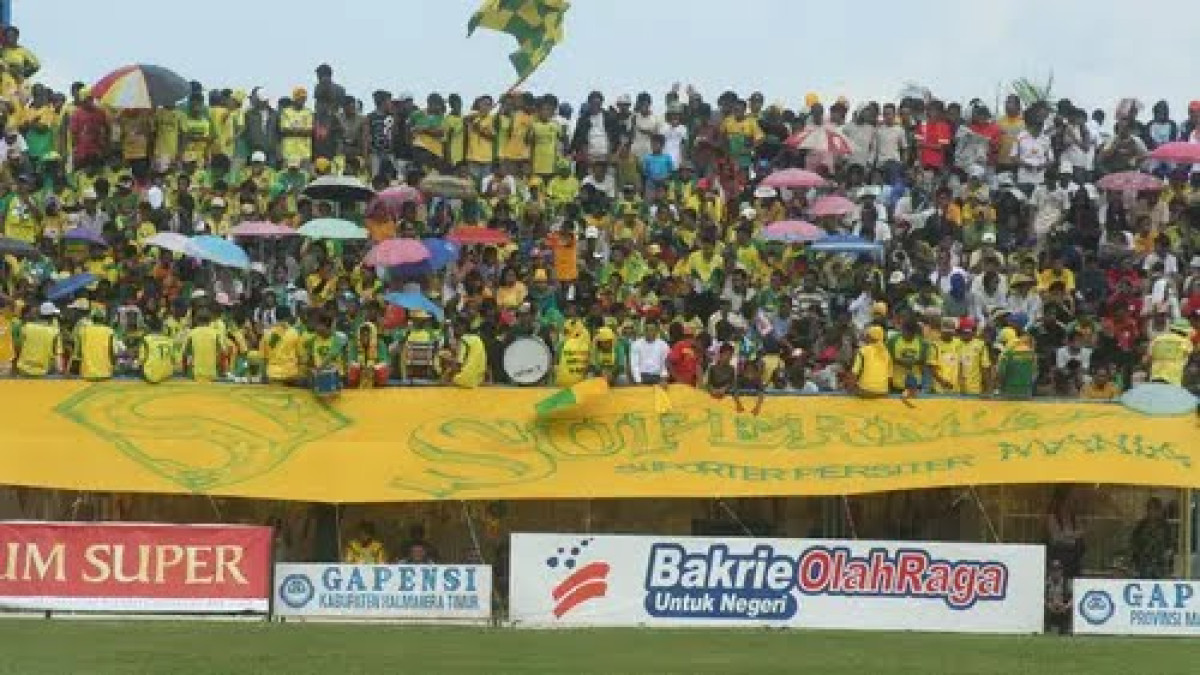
(467, 235)
(1130, 181)
(795, 178)
(394, 252)
(831, 205)
(1179, 152)
(821, 139)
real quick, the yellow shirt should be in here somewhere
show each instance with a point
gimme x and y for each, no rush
(198, 135)
(1169, 354)
(975, 359)
(21, 222)
(472, 354)
(370, 553)
(872, 365)
(948, 365)
(136, 130)
(455, 146)
(299, 147)
(206, 344)
(41, 348)
(1048, 276)
(481, 141)
(96, 352)
(168, 124)
(573, 360)
(516, 144)
(158, 358)
(545, 146)
(280, 348)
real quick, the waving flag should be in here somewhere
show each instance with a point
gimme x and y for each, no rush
(574, 396)
(536, 24)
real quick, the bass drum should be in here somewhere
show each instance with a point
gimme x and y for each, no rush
(527, 361)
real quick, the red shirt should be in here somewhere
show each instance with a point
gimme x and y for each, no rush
(990, 131)
(89, 132)
(933, 137)
(683, 362)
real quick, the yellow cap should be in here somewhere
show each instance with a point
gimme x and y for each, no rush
(875, 334)
(811, 99)
(879, 309)
(605, 334)
(322, 165)
(540, 275)
(299, 93)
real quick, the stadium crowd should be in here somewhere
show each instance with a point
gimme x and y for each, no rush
(959, 250)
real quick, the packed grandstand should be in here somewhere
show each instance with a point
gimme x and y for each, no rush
(160, 228)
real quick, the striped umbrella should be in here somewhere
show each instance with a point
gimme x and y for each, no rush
(140, 87)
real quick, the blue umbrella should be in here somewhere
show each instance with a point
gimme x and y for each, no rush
(84, 234)
(441, 254)
(1157, 398)
(219, 251)
(70, 286)
(843, 243)
(414, 300)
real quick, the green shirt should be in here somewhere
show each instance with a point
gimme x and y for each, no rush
(1016, 372)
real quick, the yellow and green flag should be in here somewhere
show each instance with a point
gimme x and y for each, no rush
(536, 24)
(573, 396)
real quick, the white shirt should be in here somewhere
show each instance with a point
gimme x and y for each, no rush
(890, 143)
(675, 137)
(597, 137)
(648, 358)
(644, 126)
(1033, 151)
(1064, 356)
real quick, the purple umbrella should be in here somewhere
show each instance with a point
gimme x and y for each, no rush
(85, 235)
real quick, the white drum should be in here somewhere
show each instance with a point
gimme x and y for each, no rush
(527, 361)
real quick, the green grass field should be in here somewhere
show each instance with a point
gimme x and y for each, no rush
(62, 647)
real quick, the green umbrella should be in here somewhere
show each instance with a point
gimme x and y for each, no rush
(332, 228)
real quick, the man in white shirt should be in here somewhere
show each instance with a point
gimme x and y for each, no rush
(648, 357)
(891, 141)
(675, 135)
(1032, 152)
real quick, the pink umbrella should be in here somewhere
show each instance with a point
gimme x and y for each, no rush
(1180, 152)
(795, 178)
(468, 235)
(793, 232)
(1130, 181)
(396, 197)
(262, 229)
(396, 252)
(821, 139)
(831, 205)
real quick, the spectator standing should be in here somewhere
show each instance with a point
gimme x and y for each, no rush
(648, 356)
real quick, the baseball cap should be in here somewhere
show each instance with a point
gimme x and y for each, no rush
(896, 277)
(1181, 326)
(258, 156)
(949, 324)
(988, 238)
(48, 309)
(624, 99)
(89, 193)
(966, 324)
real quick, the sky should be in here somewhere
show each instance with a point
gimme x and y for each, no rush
(1098, 50)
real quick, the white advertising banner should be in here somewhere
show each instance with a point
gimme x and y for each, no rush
(582, 580)
(395, 592)
(1136, 607)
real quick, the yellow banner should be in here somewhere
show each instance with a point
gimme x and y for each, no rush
(428, 444)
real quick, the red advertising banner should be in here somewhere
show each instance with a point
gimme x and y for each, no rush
(134, 567)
